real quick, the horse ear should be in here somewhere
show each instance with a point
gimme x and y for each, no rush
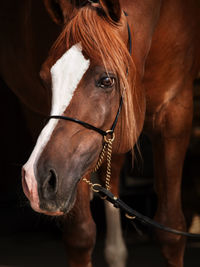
(59, 10)
(112, 9)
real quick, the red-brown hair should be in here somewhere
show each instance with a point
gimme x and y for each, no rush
(101, 39)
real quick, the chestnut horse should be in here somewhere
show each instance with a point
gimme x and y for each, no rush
(87, 71)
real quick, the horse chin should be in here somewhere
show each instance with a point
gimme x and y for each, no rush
(50, 210)
(69, 204)
(49, 213)
(56, 207)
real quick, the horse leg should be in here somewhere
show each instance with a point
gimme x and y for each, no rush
(79, 230)
(115, 249)
(170, 140)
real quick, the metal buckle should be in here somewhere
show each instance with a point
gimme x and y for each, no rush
(111, 134)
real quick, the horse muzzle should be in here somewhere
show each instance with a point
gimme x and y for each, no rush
(46, 206)
(50, 183)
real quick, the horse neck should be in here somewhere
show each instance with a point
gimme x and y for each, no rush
(143, 18)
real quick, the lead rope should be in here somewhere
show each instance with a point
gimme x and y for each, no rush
(105, 193)
(107, 150)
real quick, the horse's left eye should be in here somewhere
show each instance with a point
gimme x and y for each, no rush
(106, 82)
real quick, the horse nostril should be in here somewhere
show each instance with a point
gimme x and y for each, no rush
(52, 180)
(50, 184)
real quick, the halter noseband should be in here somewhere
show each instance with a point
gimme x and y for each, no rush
(89, 126)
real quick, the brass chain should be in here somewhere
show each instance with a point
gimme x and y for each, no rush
(107, 149)
(101, 157)
(87, 182)
(109, 157)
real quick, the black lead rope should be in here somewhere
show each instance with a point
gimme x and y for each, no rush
(135, 215)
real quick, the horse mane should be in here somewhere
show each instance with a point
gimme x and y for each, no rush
(101, 41)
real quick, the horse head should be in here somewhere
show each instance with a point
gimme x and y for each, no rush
(89, 69)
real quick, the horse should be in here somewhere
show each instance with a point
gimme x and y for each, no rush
(101, 89)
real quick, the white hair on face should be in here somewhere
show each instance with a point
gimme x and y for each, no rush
(66, 73)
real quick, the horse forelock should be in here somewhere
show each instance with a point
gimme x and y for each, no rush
(102, 42)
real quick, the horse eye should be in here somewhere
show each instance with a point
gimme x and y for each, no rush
(106, 82)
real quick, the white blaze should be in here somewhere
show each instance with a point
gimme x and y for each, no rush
(66, 74)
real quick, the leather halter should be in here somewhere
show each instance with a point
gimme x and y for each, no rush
(89, 126)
